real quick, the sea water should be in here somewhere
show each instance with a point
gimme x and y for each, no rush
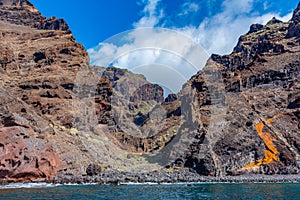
(153, 191)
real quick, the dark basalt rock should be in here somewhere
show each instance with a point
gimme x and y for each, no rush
(240, 114)
(257, 83)
(22, 12)
(255, 28)
(113, 73)
(15, 3)
(294, 27)
(171, 98)
(274, 21)
(54, 24)
(148, 92)
(93, 169)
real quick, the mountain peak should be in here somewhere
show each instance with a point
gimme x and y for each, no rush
(15, 2)
(294, 27)
(296, 15)
(59, 116)
(18, 3)
(274, 21)
(22, 12)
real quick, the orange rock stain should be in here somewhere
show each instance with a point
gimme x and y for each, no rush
(270, 152)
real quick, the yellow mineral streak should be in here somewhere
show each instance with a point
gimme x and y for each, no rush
(270, 152)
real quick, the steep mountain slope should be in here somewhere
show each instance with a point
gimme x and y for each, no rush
(241, 112)
(58, 115)
(45, 82)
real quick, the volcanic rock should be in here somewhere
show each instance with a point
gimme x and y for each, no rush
(55, 109)
(294, 26)
(241, 112)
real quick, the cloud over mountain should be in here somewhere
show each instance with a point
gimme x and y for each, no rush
(213, 32)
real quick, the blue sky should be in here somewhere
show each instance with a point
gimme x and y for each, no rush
(166, 40)
(93, 21)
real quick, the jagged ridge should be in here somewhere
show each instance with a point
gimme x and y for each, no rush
(217, 125)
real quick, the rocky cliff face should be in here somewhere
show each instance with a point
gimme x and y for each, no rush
(22, 12)
(37, 69)
(243, 114)
(46, 87)
(294, 27)
(135, 103)
(240, 114)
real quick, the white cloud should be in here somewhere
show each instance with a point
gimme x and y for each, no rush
(180, 51)
(178, 56)
(151, 14)
(220, 33)
(236, 7)
(266, 5)
(188, 8)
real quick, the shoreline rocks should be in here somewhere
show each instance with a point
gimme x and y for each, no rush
(177, 176)
(58, 115)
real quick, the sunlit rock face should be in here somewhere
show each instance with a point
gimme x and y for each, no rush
(58, 115)
(294, 27)
(39, 60)
(246, 106)
(45, 83)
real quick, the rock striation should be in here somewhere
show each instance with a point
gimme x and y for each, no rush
(59, 116)
(243, 115)
(294, 27)
(36, 71)
(22, 12)
(46, 87)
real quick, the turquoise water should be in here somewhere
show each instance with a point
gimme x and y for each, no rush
(156, 192)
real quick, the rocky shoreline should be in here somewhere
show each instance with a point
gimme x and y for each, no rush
(59, 116)
(171, 177)
(174, 177)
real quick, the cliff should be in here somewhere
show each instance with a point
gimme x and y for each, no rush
(58, 115)
(44, 74)
(242, 110)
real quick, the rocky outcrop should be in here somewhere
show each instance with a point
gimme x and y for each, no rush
(294, 27)
(25, 153)
(54, 106)
(93, 170)
(132, 86)
(135, 102)
(22, 12)
(58, 115)
(243, 111)
(24, 158)
(39, 62)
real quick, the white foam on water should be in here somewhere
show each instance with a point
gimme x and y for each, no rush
(75, 184)
(136, 183)
(165, 183)
(27, 185)
(39, 185)
(178, 183)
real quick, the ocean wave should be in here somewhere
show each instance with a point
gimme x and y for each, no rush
(137, 183)
(166, 183)
(27, 185)
(39, 185)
